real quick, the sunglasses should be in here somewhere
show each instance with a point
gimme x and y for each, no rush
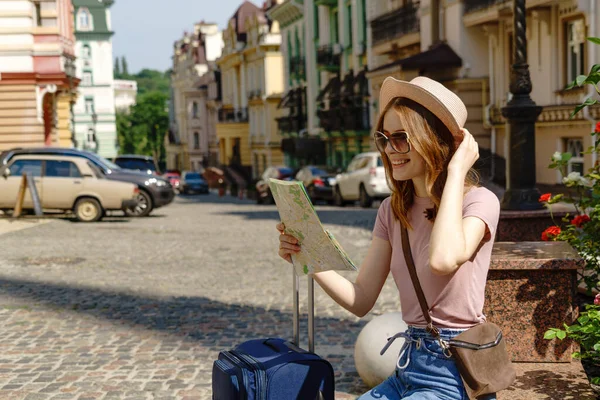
(399, 141)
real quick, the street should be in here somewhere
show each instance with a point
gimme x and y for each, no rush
(138, 308)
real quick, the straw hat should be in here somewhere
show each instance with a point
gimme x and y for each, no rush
(432, 95)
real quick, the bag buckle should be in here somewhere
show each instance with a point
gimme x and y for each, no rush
(433, 330)
(445, 347)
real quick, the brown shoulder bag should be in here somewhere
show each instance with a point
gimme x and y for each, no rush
(479, 352)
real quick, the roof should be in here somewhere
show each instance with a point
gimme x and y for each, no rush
(439, 55)
(245, 10)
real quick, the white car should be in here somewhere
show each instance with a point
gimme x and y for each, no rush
(364, 180)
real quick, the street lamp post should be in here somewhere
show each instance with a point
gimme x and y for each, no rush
(521, 113)
(95, 136)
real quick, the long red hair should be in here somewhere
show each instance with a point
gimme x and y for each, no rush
(433, 141)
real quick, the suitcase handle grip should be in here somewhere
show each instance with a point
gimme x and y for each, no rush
(290, 347)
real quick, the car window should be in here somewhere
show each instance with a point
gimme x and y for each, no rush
(379, 161)
(136, 164)
(364, 163)
(318, 171)
(100, 162)
(192, 175)
(61, 169)
(354, 165)
(31, 167)
(97, 171)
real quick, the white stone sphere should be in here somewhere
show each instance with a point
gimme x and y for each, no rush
(372, 367)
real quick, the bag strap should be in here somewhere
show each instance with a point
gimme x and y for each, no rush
(410, 263)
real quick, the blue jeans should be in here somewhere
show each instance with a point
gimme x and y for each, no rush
(423, 371)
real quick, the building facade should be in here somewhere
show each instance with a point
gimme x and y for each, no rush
(233, 128)
(189, 137)
(125, 92)
(95, 122)
(557, 53)
(37, 73)
(299, 143)
(264, 70)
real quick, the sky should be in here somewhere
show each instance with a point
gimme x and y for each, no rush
(146, 29)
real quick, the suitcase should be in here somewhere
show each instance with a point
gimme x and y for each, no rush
(273, 368)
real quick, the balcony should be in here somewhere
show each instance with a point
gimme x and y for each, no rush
(233, 115)
(326, 57)
(326, 3)
(291, 123)
(330, 120)
(476, 5)
(298, 68)
(396, 23)
(356, 118)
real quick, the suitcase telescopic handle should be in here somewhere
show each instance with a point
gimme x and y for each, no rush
(311, 312)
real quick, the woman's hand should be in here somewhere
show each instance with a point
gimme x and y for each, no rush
(288, 244)
(466, 154)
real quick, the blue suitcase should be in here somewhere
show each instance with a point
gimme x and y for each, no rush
(273, 368)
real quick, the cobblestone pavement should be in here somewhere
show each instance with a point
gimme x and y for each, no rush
(139, 308)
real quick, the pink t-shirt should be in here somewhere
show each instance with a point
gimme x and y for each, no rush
(455, 300)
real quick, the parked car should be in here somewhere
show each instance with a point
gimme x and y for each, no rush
(364, 180)
(263, 192)
(174, 179)
(193, 182)
(318, 181)
(136, 162)
(65, 183)
(154, 191)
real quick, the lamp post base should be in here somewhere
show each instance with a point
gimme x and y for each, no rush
(521, 199)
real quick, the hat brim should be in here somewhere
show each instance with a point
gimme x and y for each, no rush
(393, 88)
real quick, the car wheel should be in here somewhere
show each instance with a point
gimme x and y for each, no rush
(363, 198)
(338, 200)
(88, 209)
(143, 207)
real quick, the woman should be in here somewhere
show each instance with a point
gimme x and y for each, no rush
(428, 158)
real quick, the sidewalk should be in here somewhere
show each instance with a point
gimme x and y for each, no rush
(8, 224)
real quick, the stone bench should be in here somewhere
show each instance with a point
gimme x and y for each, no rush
(531, 287)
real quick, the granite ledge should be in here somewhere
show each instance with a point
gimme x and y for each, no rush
(535, 256)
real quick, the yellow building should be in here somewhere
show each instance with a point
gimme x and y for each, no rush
(264, 70)
(233, 128)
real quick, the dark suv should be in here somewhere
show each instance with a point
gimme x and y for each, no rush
(154, 191)
(137, 163)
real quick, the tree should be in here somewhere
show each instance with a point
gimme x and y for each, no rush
(149, 122)
(117, 69)
(124, 68)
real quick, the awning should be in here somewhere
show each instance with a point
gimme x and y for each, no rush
(304, 147)
(439, 55)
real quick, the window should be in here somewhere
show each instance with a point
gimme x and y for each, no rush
(86, 79)
(575, 147)
(91, 136)
(61, 169)
(196, 140)
(86, 52)
(84, 20)
(89, 105)
(575, 49)
(31, 167)
(37, 10)
(194, 110)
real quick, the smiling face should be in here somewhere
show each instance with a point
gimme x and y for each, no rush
(404, 166)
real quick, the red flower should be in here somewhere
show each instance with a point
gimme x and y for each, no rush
(545, 197)
(597, 127)
(579, 220)
(550, 233)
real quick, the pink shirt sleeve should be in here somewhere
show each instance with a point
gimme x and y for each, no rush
(381, 228)
(483, 204)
